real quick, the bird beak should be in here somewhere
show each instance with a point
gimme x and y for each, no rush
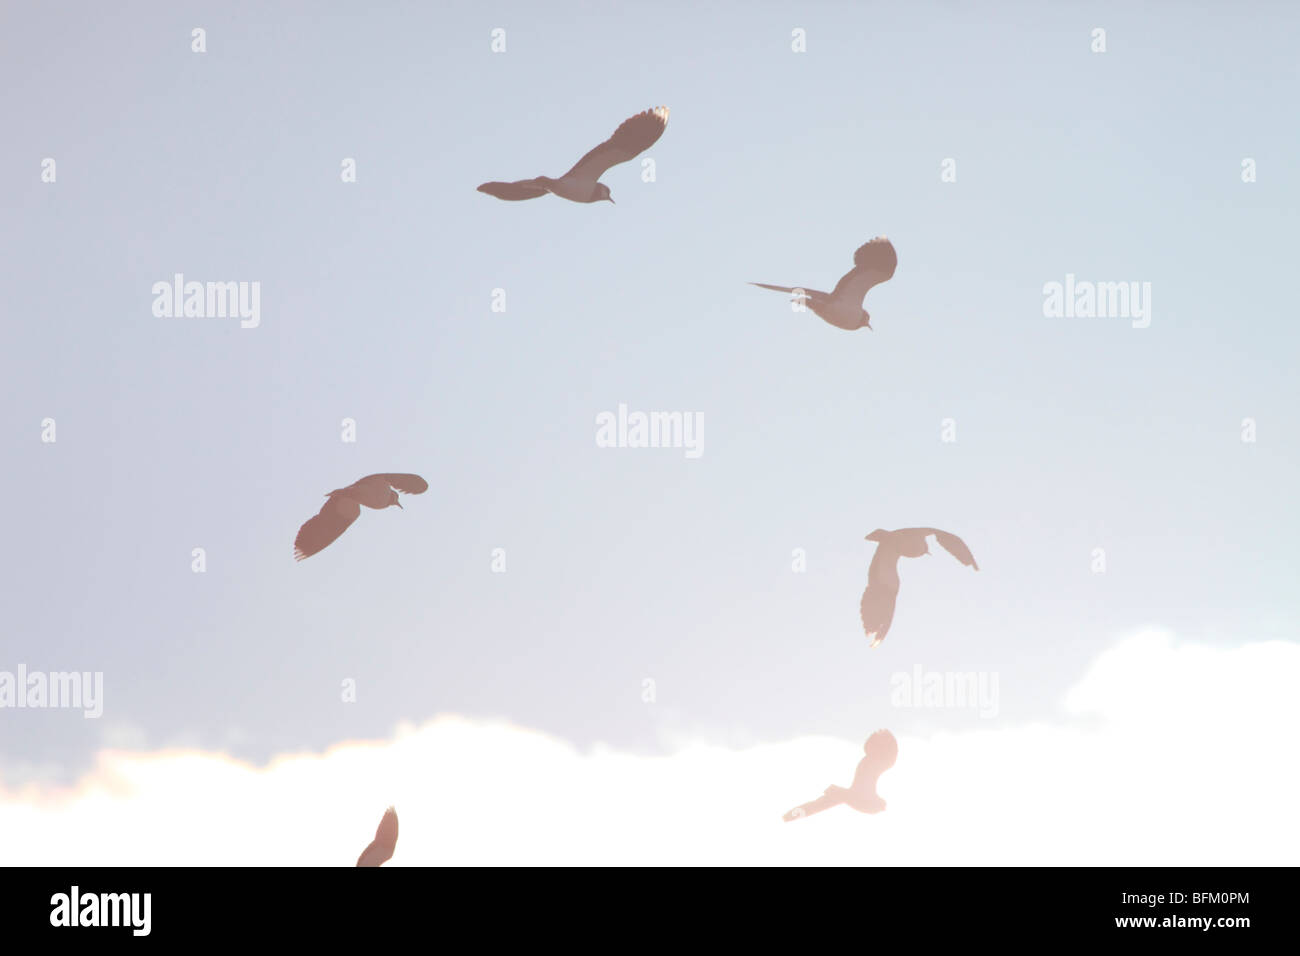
(399, 504)
(611, 199)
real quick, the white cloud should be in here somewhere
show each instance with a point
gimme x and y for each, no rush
(1166, 753)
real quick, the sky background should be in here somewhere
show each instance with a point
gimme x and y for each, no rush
(628, 564)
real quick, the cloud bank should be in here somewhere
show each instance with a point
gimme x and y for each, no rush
(1165, 753)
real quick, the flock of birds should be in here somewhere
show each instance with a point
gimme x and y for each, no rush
(874, 262)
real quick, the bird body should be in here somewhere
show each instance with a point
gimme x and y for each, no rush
(582, 183)
(374, 491)
(881, 751)
(881, 594)
(873, 263)
(841, 313)
(574, 189)
(343, 505)
(382, 846)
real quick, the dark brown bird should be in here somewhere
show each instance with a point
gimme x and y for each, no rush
(580, 184)
(344, 504)
(382, 846)
(881, 751)
(873, 263)
(882, 576)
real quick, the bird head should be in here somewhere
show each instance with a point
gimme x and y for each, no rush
(602, 192)
(882, 745)
(866, 319)
(877, 536)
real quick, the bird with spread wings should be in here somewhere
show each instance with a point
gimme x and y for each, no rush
(581, 183)
(873, 263)
(342, 505)
(882, 576)
(881, 750)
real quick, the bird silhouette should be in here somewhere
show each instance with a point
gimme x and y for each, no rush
(580, 184)
(342, 506)
(881, 751)
(873, 263)
(882, 576)
(382, 846)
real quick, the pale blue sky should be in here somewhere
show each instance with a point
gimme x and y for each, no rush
(626, 564)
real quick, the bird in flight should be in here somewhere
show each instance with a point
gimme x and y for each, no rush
(882, 576)
(881, 751)
(873, 263)
(342, 505)
(382, 846)
(580, 184)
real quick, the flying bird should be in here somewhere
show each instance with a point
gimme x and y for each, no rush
(580, 184)
(873, 263)
(342, 506)
(882, 576)
(881, 751)
(382, 846)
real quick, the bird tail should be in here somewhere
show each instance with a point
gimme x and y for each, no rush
(516, 191)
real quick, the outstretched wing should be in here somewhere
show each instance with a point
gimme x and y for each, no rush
(824, 802)
(335, 516)
(408, 484)
(520, 189)
(877, 613)
(806, 293)
(878, 599)
(635, 135)
(956, 547)
(385, 842)
(873, 263)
